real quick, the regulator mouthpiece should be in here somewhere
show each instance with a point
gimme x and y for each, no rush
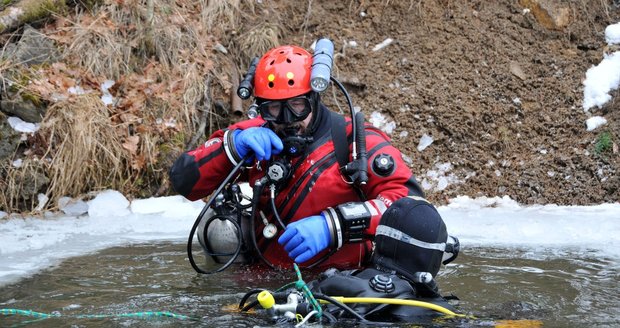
(322, 61)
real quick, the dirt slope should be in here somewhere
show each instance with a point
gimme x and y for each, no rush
(497, 85)
(500, 94)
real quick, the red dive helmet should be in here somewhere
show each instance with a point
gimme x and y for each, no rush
(283, 72)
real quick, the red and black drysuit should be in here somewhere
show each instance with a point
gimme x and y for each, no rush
(316, 184)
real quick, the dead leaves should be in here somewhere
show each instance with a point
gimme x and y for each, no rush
(148, 105)
(131, 144)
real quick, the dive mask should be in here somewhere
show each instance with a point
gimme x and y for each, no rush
(285, 111)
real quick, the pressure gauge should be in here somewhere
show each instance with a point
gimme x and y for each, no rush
(270, 230)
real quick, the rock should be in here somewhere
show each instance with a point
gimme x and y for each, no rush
(35, 48)
(29, 184)
(23, 109)
(9, 139)
(552, 14)
(516, 69)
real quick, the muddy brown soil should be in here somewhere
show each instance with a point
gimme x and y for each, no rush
(500, 94)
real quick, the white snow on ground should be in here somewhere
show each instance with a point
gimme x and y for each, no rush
(601, 80)
(439, 178)
(612, 34)
(594, 122)
(31, 244)
(425, 141)
(379, 121)
(21, 126)
(501, 221)
(604, 77)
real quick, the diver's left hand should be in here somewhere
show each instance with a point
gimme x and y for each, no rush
(305, 238)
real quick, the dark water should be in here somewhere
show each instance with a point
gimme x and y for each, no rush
(566, 290)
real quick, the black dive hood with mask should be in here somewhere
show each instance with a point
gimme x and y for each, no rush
(410, 239)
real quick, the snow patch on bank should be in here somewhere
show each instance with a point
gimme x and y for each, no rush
(380, 122)
(31, 244)
(500, 221)
(439, 178)
(604, 77)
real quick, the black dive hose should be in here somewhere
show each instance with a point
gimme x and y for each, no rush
(256, 192)
(359, 167)
(362, 169)
(199, 218)
(242, 306)
(340, 305)
(350, 104)
(274, 209)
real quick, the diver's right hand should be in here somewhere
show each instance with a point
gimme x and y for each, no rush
(262, 142)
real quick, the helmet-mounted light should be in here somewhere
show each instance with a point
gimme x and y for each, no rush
(322, 61)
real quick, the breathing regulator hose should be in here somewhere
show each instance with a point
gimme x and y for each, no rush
(192, 232)
(257, 191)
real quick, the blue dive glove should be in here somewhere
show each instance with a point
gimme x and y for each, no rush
(305, 238)
(258, 140)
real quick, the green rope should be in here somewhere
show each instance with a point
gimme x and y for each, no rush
(147, 314)
(28, 313)
(301, 285)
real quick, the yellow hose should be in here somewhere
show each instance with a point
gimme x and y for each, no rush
(395, 301)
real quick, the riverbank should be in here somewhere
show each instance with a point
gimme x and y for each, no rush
(483, 99)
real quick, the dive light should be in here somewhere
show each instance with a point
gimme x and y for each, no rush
(322, 61)
(244, 91)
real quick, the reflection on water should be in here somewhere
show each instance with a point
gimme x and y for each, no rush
(565, 290)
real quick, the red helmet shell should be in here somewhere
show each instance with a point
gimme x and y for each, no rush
(283, 72)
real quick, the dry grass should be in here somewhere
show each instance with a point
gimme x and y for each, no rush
(153, 29)
(607, 6)
(158, 29)
(85, 150)
(107, 53)
(21, 185)
(162, 56)
(194, 89)
(221, 15)
(255, 42)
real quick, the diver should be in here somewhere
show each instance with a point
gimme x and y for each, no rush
(397, 285)
(411, 243)
(309, 206)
